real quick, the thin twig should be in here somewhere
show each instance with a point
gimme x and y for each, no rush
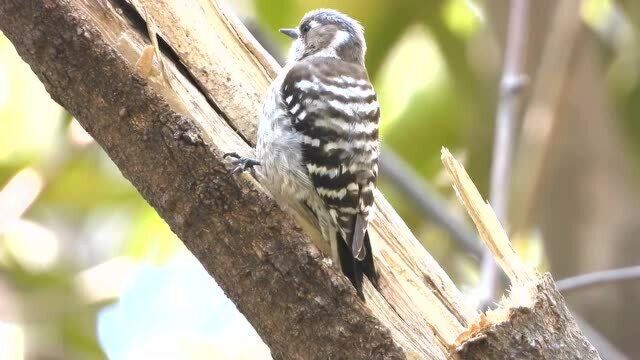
(631, 273)
(427, 201)
(511, 86)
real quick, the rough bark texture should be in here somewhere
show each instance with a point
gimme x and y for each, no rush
(167, 133)
(545, 330)
(269, 271)
(415, 292)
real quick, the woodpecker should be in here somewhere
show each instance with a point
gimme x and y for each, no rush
(318, 143)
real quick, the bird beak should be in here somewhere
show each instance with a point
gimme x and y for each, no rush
(292, 33)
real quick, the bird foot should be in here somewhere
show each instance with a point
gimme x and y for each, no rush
(242, 164)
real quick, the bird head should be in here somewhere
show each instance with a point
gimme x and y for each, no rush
(326, 32)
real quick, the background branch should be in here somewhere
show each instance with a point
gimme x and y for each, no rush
(631, 273)
(511, 90)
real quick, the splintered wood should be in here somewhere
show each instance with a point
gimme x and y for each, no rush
(491, 231)
(416, 300)
(519, 327)
(302, 307)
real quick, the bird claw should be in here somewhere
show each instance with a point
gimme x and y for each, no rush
(242, 164)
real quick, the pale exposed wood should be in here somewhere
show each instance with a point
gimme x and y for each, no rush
(533, 322)
(219, 53)
(167, 134)
(491, 231)
(413, 284)
(168, 141)
(538, 326)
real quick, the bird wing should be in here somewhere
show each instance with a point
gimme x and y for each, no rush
(332, 104)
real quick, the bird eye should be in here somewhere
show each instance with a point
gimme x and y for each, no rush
(304, 28)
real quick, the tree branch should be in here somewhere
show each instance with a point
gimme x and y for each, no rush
(409, 183)
(533, 302)
(167, 134)
(168, 140)
(631, 273)
(511, 90)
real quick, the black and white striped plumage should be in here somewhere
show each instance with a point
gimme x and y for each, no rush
(318, 139)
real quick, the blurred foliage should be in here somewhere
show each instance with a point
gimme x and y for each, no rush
(74, 234)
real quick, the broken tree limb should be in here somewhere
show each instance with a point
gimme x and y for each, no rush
(167, 133)
(533, 322)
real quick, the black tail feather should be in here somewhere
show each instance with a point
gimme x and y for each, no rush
(355, 269)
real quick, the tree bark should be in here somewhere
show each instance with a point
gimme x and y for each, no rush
(166, 124)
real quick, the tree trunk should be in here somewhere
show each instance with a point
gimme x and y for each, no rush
(166, 124)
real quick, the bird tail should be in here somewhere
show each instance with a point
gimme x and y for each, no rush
(355, 269)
